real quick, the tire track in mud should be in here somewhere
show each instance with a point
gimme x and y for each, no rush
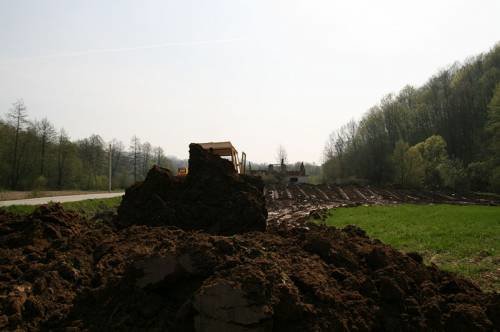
(296, 202)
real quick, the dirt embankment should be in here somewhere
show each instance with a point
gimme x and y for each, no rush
(62, 272)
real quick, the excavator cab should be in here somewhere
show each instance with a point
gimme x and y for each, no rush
(224, 150)
(227, 151)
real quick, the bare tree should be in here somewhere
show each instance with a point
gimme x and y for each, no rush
(92, 154)
(281, 155)
(17, 118)
(146, 157)
(46, 133)
(64, 148)
(329, 150)
(159, 155)
(116, 155)
(135, 147)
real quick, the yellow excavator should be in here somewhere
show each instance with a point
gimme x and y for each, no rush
(225, 150)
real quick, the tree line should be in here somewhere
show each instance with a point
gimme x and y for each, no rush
(444, 134)
(34, 156)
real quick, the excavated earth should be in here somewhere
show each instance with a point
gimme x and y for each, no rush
(292, 204)
(62, 272)
(212, 198)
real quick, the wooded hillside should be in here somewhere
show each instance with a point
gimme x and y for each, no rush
(444, 134)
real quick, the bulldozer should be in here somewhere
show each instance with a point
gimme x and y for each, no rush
(225, 150)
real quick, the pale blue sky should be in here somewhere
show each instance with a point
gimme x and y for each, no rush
(258, 73)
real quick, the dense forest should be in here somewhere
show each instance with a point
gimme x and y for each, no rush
(444, 134)
(35, 156)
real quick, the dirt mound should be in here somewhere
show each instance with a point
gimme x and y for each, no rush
(47, 224)
(45, 259)
(97, 276)
(212, 198)
(319, 279)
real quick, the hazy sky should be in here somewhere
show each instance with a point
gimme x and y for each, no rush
(258, 73)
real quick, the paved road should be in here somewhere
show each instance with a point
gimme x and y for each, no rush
(58, 199)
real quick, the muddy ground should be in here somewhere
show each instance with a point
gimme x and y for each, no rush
(293, 203)
(62, 272)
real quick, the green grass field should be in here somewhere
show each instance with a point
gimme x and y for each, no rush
(87, 207)
(461, 239)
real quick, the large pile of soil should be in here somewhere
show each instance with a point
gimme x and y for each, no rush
(163, 266)
(59, 271)
(212, 198)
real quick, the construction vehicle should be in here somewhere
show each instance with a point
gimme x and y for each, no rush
(224, 150)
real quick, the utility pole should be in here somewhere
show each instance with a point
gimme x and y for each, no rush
(109, 171)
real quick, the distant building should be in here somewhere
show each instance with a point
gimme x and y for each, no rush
(282, 172)
(298, 176)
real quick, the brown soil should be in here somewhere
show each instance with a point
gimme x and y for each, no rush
(212, 198)
(59, 271)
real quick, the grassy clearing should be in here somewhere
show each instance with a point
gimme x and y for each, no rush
(87, 207)
(461, 239)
